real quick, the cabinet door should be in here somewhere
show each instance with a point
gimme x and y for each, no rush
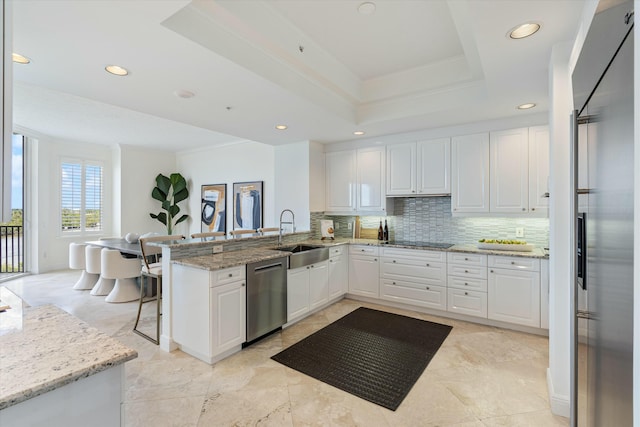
(371, 179)
(434, 166)
(509, 171)
(338, 276)
(401, 169)
(364, 276)
(228, 303)
(514, 296)
(544, 294)
(340, 181)
(470, 173)
(191, 311)
(297, 292)
(539, 169)
(318, 284)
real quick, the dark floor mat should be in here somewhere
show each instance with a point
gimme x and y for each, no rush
(371, 354)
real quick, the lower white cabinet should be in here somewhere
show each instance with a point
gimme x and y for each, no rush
(307, 289)
(544, 294)
(363, 271)
(467, 284)
(471, 303)
(209, 311)
(338, 271)
(514, 293)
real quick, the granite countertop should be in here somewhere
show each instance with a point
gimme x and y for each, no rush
(537, 252)
(230, 259)
(50, 349)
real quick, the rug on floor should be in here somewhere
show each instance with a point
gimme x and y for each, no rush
(371, 354)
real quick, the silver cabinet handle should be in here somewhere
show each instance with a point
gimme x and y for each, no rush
(428, 288)
(230, 274)
(394, 261)
(533, 209)
(428, 265)
(466, 271)
(524, 209)
(466, 293)
(394, 283)
(491, 271)
(466, 284)
(375, 259)
(466, 259)
(513, 262)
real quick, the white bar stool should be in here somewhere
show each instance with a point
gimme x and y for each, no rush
(77, 262)
(94, 265)
(124, 271)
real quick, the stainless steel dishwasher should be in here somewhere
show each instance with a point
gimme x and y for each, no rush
(266, 297)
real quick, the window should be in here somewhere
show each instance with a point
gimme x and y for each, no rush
(81, 196)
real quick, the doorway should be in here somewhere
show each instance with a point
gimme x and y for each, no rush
(12, 233)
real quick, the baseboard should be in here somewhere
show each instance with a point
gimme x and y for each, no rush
(560, 403)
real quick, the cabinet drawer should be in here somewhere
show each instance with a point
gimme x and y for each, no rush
(363, 250)
(228, 275)
(467, 259)
(467, 283)
(514, 263)
(435, 256)
(467, 271)
(335, 251)
(414, 270)
(414, 294)
(472, 303)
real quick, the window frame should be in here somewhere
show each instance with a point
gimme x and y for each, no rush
(84, 164)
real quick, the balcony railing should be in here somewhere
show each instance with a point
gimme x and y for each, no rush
(11, 249)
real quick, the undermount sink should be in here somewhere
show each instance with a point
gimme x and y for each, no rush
(302, 255)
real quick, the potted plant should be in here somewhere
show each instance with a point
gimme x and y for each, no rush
(170, 191)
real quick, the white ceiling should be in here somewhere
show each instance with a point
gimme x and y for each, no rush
(317, 66)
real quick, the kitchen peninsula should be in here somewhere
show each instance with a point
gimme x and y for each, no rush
(56, 369)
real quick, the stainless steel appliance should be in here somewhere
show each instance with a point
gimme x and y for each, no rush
(266, 297)
(602, 374)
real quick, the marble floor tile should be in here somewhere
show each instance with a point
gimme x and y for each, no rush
(481, 376)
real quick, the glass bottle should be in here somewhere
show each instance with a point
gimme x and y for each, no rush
(385, 233)
(380, 231)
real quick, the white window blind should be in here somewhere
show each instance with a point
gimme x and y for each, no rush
(81, 193)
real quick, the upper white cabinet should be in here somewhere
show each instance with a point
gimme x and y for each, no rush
(470, 173)
(509, 178)
(419, 169)
(539, 169)
(340, 181)
(504, 172)
(355, 181)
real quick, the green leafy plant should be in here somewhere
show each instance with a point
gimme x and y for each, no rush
(170, 191)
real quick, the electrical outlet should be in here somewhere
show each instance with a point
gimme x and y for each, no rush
(337, 226)
(348, 226)
(217, 249)
(519, 232)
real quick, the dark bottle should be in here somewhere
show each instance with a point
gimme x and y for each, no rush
(385, 233)
(380, 231)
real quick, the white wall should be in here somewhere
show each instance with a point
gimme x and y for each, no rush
(292, 182)
(247, 161)
(560, 231)
(135, 173)
(48, 246)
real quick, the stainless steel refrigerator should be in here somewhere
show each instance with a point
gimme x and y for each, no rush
(603, 126)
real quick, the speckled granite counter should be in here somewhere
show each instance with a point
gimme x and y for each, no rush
(535, 253)
(230, 259)
(50, 350)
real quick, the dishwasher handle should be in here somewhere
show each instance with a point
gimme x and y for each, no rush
(269, 267)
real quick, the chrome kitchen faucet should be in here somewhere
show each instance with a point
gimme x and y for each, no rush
(292, 222)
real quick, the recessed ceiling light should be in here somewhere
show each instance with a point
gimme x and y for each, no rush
(367, 8)
(182, 93)
(116, 70)
(281, 127)
(524, 30)
(526, 106)
(19, 59)
(358, 132)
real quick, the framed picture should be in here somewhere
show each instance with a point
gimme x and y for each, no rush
(213, 208)
(247, 205)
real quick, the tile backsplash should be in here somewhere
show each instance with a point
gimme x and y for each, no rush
(429, 219)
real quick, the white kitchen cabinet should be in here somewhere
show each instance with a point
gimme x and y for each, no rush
(509, 178)
(355, 182)
(422, 168)
(364, 271)
(514, 293)
(434, 166)
(338, 271)
(307, 289)
(414, 277)
(544, 294)
(370, 192)
(467, 284)
(401, 169)
(209, 311)
(539, 170)
(470, 173)
(340, 178)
